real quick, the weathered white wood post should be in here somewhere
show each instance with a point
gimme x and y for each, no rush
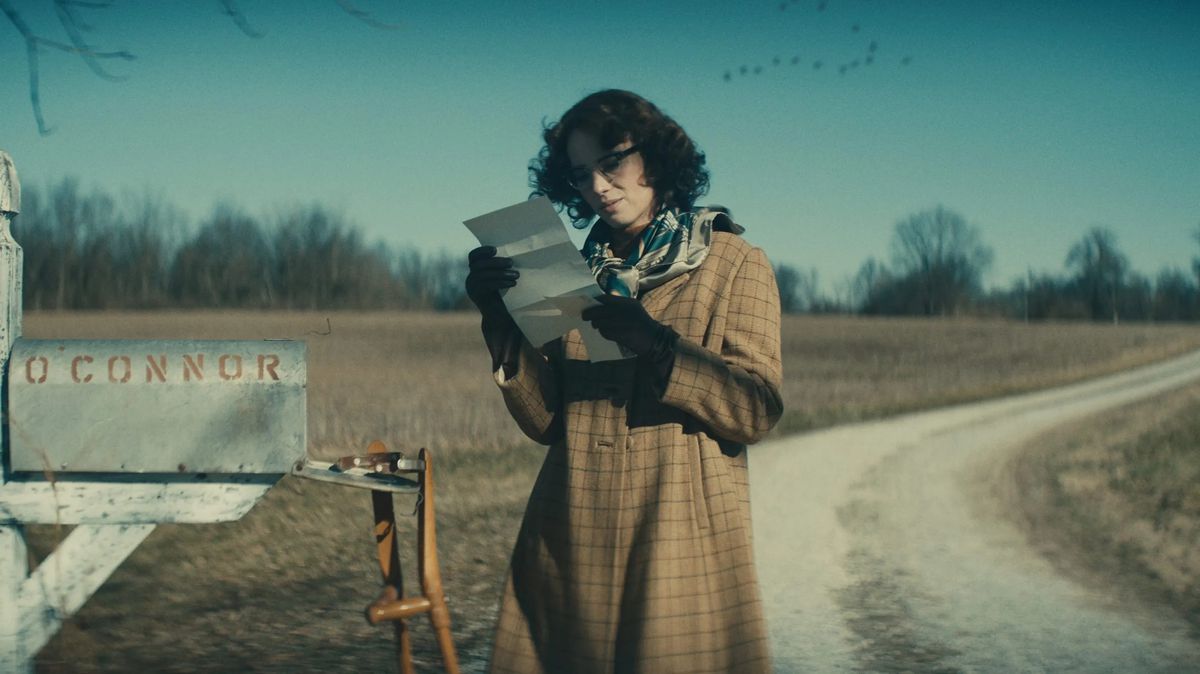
(13, 566)
(116, 436)
(10, 256)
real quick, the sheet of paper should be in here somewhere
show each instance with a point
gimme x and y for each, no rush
(555, 285)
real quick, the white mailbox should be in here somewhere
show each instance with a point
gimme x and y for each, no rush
(117, 436)
(145, 406)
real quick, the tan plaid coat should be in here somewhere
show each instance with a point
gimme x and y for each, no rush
(635, 551)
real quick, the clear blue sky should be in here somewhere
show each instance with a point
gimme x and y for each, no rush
(1034, 119)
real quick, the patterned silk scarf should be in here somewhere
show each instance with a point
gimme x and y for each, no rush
(675, 243)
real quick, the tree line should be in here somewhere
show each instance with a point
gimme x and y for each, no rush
(90, 250)
(937, 264)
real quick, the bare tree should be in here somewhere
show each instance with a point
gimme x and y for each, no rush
(143, 249)
(1176, 297)
(865, 280)
(1196, 260)
(787, 278)
(1100, 270)
(74, 25)
(799, 290)
(322, 262)
(226, 264)
(941, 257)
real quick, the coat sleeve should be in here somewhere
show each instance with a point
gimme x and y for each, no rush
(735, 393)
(531, 393)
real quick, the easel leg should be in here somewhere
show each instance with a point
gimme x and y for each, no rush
(404, 648)
(430, 571)
(439, 615)
(388, 551)
(14, 569)
(389, 564)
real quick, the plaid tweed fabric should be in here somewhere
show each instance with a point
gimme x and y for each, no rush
(635, 552)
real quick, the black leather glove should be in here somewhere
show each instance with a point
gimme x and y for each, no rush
(489, 274)
(624, 321)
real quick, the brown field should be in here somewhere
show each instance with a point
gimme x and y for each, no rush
(284, 588)
(1117, 497)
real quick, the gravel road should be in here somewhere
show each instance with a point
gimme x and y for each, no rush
(882, 547)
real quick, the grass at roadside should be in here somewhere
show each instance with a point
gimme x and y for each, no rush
(1116, 496)
(284, 588)
(421, 379)
(839, 369)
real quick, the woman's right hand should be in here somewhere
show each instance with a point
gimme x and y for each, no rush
(488, 276)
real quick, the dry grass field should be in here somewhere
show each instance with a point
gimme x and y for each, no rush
(1118, 497)
(283, 589)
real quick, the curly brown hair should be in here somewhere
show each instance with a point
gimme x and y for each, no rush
(674, 166)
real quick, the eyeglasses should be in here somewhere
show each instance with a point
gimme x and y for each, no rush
(608, 166)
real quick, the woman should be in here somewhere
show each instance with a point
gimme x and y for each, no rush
(635, 552)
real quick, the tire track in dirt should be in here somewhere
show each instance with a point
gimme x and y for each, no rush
(881, 547)
(878, 604)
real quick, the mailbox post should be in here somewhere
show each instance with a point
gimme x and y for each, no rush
(115, 437)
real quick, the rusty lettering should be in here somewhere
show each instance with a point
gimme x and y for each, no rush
(75, 369)
(156, 368)
(112, 369)
(267, 363)
(40, 379)
(223, 371)
(193, 367)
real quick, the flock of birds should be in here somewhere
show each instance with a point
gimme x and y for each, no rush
(866, 59)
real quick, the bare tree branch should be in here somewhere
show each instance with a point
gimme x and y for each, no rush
(79, 48)
(71, 49)
(69, 5)
(232, 11)
(35, 98)
(75, 27)
(365, 17)
(85, 4)
(31, 57)
(90, 5)
(70, 23)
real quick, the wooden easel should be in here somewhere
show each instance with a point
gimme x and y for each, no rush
(382, 472)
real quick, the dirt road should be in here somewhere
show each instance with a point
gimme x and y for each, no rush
(882, 547)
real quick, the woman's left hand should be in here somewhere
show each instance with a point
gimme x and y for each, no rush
(624, 321)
